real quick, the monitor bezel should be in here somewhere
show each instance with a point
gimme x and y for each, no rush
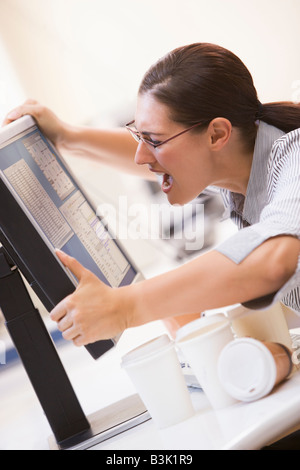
(14, 130)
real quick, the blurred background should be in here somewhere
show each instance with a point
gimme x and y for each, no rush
(85, 59)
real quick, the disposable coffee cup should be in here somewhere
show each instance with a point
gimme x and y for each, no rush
(249, 369)
(155, 371)
(264, 325)
(201, 343)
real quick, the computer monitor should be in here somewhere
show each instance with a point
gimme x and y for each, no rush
(43, 208)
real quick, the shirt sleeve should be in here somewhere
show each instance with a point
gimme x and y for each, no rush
(281, 213)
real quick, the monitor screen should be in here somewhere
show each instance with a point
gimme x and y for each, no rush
(42, 209)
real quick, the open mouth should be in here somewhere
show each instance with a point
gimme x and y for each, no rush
(165, 180)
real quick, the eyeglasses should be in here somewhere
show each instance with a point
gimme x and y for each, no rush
(137, 135)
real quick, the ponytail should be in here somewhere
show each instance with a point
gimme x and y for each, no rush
(285, 115)
(202, 81)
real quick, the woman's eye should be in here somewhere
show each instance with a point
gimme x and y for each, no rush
(153, 142)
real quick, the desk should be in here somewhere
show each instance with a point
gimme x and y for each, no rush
(99, 384)
(240, 427)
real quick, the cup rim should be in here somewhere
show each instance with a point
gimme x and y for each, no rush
(144, 352)
(193, 330)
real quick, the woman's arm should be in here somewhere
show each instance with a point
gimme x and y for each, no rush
(213, 280)
(114, 147)
(96, 311)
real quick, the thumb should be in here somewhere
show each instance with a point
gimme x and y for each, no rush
(72, 264)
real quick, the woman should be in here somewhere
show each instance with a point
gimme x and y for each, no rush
(198, 123)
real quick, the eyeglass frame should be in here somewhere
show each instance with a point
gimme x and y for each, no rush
(138, 138)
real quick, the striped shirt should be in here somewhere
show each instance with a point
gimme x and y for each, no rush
(272, 203)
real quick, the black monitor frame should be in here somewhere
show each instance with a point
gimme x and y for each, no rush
(31, 255)
(29, 249)
(71, 428)
(25, 250)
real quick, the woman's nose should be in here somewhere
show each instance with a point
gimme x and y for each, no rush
(144, 155)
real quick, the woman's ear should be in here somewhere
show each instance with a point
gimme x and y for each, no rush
(219, 131)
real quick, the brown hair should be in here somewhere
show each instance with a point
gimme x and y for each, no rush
(203, 81)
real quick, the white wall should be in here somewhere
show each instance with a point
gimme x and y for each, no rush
(85, 58)
(11, 90)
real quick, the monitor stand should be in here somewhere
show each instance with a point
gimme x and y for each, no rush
(71, 428)
(107, 423)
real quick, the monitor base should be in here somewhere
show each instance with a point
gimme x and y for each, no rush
(106, 423)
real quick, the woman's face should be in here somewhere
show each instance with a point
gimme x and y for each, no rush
(184, 163)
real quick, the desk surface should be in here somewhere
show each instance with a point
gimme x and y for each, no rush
(101, 383)
(240, 427)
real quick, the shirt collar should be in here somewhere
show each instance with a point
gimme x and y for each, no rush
(249, 208)
(257, 195)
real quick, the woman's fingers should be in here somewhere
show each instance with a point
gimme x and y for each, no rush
(47, 121)
(29, 107)
(94, 311)
(72, 264)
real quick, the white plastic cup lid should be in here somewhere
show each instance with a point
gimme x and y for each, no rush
(147, 350)
(247, 369)
(197, 325)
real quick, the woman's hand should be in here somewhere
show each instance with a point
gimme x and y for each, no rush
(94, 311)
(48, 122)
(114, 147)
